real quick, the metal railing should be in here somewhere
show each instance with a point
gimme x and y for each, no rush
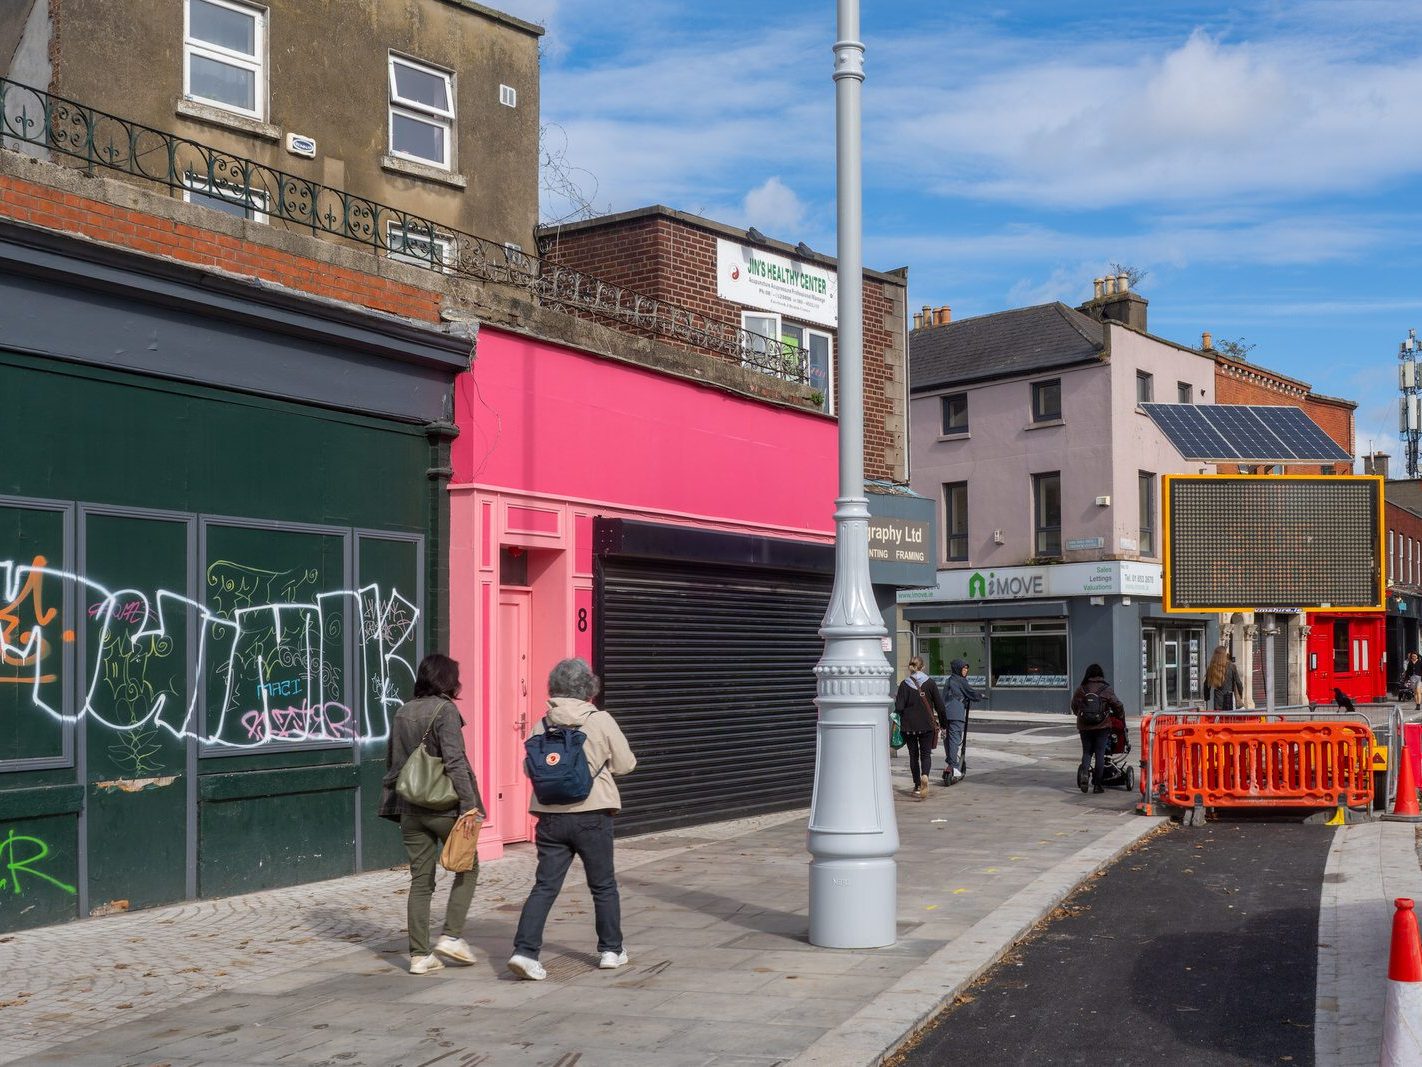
(31, 119)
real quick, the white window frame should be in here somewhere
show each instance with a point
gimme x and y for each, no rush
(393, 230)
(809, 331)
(421, 112)
(197, 183)
(256, 63)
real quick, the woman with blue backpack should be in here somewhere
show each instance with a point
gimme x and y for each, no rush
(1092, 704)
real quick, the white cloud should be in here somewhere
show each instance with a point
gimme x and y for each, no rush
(774, 208)
(1204, 122)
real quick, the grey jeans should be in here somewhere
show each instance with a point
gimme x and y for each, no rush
(560, 836)
(424, 837)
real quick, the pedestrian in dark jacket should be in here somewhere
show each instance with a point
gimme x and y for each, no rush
(1223, 686)
(957, 695)
(432, 719)
(920, 707)
(1095, 737)
(1412, 680)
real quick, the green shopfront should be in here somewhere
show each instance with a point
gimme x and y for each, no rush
(1028, 633)
(218, 526)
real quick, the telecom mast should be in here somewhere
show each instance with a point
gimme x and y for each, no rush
(1409, 381)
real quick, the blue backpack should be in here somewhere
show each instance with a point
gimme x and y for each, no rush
(557, 765)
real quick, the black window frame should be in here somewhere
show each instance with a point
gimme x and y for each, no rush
(945, 429)
(952, 539)
(1039, 390)
(1146, 379)
(1146, 512)
(1043, 532)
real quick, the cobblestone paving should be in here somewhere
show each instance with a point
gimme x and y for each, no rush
(715, 918)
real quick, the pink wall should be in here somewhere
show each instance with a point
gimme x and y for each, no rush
(539, 418)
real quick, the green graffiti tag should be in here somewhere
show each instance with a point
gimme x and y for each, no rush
(14, 865)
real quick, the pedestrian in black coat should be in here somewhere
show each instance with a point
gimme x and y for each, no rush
(920, 708)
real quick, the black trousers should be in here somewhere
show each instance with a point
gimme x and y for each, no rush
(1095, 742)
(920, 750)
(560, 836)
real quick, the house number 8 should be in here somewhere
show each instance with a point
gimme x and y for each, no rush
(582, 620)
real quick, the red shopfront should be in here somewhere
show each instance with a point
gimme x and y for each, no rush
(1347, 651)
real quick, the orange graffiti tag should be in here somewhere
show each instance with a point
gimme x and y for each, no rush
(33, 591)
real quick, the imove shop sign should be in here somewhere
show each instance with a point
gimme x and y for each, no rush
(1109, 578)
(767, 282)
(898, 540)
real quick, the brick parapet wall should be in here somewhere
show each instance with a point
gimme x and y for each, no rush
(1242, 383)
(120, 214)
(671, 260)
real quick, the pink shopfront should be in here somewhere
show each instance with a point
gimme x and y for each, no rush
(676, 535)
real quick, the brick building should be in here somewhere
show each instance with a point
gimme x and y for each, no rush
(1240, 382)
(1403, 516)
(770, 289)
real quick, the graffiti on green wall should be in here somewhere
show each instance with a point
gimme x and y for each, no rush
(268, 659)
(21, 854)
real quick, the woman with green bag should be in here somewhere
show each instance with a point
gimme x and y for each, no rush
(428, 784)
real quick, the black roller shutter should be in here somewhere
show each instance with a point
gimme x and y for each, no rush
(710, 672)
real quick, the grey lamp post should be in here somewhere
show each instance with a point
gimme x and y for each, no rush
(852, 835)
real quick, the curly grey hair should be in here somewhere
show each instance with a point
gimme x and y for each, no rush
(573, 678)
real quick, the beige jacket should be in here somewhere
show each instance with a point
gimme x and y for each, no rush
(606, 749)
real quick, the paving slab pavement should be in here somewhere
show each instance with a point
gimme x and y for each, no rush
(715, 918)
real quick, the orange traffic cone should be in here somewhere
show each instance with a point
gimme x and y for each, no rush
(1404, 808)
(1402, 1017)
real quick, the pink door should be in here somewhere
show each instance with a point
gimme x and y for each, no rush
(510, 718)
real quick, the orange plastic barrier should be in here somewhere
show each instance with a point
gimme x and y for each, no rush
(1228, 762)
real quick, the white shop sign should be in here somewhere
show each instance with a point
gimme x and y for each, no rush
(767, 282)
(988, 584)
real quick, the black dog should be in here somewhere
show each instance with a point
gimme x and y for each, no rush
(1343, 702)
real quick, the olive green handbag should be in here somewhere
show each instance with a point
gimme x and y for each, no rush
(422, 781)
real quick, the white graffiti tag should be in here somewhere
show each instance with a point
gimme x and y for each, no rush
(265, 672)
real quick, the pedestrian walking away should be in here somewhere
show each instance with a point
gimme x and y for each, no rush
(1411, 685)
(582, 828)
(920, 708)
(1223, 686)
(1092, 704)
(431, 720)
(957, 695)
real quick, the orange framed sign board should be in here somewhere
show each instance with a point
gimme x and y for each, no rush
(1246, 542)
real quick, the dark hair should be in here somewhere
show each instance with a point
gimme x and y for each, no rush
(1093, 671)
(437, 676)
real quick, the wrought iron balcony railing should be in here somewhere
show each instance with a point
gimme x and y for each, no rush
(32, 120)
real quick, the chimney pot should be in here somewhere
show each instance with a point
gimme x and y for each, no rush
(1110, 288)
(918, 320)
(1207, 343)
(1123, 283)
(1098, 285)
(942, 316)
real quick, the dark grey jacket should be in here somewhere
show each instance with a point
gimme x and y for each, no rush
(445, 740)
(956, 695)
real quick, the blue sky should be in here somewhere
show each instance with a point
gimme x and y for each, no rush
(1262, 162)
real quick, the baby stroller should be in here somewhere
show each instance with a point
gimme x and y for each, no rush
(1118, 772)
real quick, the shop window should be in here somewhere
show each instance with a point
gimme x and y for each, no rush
(421, 112)
(1028, 655)
(941, 643)
(955, 520)
(1145, 387)
(1146, 482)
(223, 55)
(1183, 393)
(1047, 514)
(955, 414)
(1047, 400)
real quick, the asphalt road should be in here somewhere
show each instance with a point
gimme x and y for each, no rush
(1199, 947)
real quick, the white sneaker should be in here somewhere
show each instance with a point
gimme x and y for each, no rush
(525, 967)
(454, 948)
(610, 961)
(425, 964)
(957, 775)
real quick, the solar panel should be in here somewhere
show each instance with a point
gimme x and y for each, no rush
(1244, 433)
